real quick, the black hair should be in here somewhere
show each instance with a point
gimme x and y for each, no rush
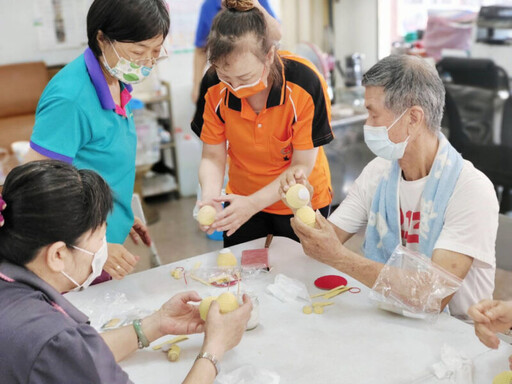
(127, 21)
(49, 201)
(234, 23)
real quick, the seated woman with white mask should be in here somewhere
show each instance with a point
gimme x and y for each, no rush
(52, 236)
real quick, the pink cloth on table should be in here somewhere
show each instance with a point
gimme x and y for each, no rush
(255, 257)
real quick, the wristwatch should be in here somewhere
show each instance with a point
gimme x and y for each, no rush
(212, 358)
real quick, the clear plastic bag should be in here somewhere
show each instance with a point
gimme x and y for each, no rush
(112, 310)
(224, 277)
(216, 276)
(411, 285)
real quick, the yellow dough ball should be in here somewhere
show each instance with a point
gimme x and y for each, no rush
(226, 258)
(206, 215)
(306, 215)
(503, 378)
(174, 353)
(177, 273)
(318, 309)
(307, 309)
(227, 302)
(297, 196)
(204, 307)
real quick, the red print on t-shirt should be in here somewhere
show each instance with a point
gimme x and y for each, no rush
(412, 234)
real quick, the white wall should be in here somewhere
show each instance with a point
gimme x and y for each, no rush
(356, 29)
(19, 39)
(302, 20)
(384, 28)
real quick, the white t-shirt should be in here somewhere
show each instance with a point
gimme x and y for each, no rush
(470, 226)
(410, 199)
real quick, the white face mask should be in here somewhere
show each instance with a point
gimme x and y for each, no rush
(98, 261)
(377, 139)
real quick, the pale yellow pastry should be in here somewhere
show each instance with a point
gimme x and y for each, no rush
(204, 307)
(306, 215)
(206, 215)
(318, 309)
(227, 302)
(226, 258)
(307, 309)
(174, 353)
(297, 196)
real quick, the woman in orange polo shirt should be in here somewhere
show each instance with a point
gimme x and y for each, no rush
(267, 114)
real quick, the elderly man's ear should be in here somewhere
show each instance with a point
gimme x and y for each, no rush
(416, 119)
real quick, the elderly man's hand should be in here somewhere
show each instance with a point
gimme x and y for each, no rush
(320, 243)
(491, 316)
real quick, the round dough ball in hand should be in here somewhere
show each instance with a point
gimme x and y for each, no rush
(206, 215)
(227, 302)
(306, 215)
(204, 306)
(297, 196)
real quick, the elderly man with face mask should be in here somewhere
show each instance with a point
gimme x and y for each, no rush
(418, 192)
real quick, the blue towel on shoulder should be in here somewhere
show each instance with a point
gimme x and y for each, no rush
(383, 229)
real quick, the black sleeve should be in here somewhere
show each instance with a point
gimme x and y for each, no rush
(209, 79)
(310, 81)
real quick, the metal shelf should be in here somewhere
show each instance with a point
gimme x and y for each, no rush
(165, 98)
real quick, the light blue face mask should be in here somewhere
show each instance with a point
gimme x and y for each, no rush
(377, 139)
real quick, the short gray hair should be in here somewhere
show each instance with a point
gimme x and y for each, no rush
(409, 81)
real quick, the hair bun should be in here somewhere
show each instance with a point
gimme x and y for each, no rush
(240, 5)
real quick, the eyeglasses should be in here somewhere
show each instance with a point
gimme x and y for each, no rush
(150, 61)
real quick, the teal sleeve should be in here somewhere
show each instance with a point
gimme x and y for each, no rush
(60, 130)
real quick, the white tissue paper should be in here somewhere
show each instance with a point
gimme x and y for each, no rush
(455, 366)
(287, 289)
(248, 374)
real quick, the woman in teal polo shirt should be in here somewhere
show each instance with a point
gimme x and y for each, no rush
(83, 116)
